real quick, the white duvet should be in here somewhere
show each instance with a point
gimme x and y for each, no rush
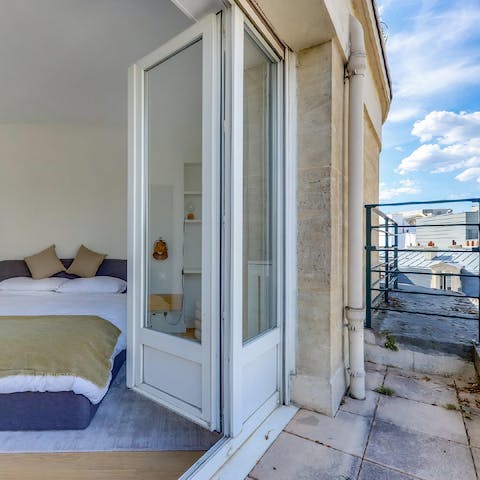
(110, 306)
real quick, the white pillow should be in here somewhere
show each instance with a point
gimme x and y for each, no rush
(28, 284)
(93, 285)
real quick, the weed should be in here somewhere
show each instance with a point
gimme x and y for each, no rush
(382, 390)
(451, 406)
(390, 343)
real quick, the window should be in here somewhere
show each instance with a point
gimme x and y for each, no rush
(445, 282)
(259, 190)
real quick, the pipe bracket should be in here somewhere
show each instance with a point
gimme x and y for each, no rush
(356, 373)
(355, 314)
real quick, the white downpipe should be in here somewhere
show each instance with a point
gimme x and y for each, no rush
(355, 310)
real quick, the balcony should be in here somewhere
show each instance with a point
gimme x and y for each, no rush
(422, 276)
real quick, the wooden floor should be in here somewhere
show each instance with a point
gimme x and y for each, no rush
(97, 465)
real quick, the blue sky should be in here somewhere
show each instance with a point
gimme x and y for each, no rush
(431, 140)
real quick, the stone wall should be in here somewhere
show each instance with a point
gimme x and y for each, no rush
(372, 153)
(371, 182)
(322, 351)
(320, 372)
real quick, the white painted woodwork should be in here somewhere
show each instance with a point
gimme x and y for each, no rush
(177, 372)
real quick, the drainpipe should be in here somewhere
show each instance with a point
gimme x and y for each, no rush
(355, 310)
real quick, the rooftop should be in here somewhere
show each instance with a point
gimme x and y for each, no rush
(429, 332)
(469, 260)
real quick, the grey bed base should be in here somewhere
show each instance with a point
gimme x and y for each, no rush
(49, 410)
(52, 410)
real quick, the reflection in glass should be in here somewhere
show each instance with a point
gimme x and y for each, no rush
(174, 204)
(259, 192)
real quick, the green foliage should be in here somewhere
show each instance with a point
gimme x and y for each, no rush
(390, 343)
(382, 390)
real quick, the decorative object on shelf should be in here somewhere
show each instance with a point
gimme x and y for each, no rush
(160, 250)
(190, 211)
(431, 243)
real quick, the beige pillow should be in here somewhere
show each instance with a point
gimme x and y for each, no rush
(44, 264)
(86, 263)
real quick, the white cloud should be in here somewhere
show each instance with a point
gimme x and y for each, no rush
(472, 173)
(383, 5)
(397, 115)
(407, 187)
(448, 127)
(435, 53)
(454, 144)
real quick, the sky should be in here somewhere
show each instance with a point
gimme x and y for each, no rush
(431, 139)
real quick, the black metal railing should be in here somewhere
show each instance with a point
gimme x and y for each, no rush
(382, 269)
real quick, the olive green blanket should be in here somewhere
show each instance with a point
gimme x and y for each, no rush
(73, 345)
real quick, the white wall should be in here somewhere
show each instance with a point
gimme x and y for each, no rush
(62, 184)
(174, 138)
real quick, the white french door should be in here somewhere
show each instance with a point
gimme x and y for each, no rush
(194, 211)
(174, 224)
(255, 230)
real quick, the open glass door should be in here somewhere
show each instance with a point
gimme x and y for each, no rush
(174, 224)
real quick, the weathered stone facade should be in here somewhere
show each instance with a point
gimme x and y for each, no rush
(320, 367)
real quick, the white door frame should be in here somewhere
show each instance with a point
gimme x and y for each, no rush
(208, 414)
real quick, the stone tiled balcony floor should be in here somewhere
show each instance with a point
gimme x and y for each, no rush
(428, 429)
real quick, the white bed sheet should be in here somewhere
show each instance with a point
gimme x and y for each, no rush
(111, 307)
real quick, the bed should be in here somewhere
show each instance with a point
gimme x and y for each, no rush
(59, 410)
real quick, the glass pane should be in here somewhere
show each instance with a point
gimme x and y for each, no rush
(259, 193)
(174, 203)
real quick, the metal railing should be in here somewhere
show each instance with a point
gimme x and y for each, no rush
(382, 268)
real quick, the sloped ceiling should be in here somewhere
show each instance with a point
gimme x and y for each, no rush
(65, 61)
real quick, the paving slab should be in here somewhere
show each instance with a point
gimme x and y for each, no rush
(476, 457)
(423, 417)
(463, 383)
(373, 379)
(365, 407)
(418, 454)
(423, 389)
(467, 379)
(371, 471)
(470, 403)
(375, 367)
(429, 377)
(472, 423)
(291, 457)
(346, 431)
